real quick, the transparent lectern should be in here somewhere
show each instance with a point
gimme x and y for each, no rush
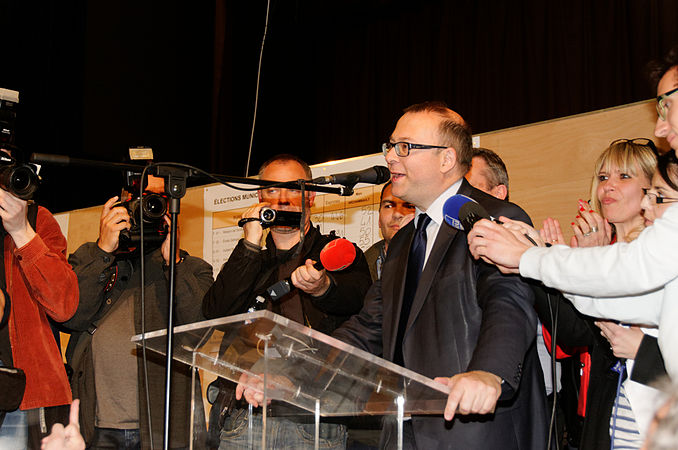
(289, 362)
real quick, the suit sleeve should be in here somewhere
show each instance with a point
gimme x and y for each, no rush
(364, 330)
(508, 322)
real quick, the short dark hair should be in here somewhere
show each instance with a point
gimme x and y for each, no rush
(454, 130)
(381, 197)
(286, 157)
(498, 173)
(657, 69)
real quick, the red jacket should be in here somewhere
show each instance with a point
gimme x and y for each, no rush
(40, 283)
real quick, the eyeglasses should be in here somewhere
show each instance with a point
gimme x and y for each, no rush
(403, 148)
(657, 198)
(638, 141)
(662, 109)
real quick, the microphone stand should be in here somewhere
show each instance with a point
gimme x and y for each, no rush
(175, 187)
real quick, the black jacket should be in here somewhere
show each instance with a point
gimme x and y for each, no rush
(248, 272)
(465, 316)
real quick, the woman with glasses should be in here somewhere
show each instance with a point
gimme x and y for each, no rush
(620, 174)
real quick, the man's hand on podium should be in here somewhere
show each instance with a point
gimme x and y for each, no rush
(474, 392)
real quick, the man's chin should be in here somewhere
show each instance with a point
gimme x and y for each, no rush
(285, 230)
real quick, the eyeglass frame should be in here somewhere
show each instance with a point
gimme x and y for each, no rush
(387, 146)
(661, 108)
(648, 143)
(657, 199)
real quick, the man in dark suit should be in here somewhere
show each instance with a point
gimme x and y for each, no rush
(456, 317)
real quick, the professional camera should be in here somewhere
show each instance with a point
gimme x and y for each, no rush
(150, 209)
(16, 175)
(270, 217)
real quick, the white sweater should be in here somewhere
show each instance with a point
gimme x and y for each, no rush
(633, 283)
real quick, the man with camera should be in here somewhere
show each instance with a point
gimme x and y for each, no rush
(110, 376)
(321, 300)
(39, 284)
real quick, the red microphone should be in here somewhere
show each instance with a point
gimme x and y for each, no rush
(336, 255)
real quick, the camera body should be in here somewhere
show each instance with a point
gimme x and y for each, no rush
(149, 209)
(19, 179)
(270, 217)
(16, 176)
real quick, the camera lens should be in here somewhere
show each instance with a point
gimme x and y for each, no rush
(267, 215)
(154, 206)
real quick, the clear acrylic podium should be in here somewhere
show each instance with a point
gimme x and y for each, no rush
(289, 362)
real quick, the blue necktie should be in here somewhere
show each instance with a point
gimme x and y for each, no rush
(415, 265)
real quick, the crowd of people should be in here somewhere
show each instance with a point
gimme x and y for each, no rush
(485, 314)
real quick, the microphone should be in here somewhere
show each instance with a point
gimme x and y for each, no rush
(336, 255)
(462, 212)
(373, 175)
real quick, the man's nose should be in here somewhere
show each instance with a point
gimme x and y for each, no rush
(661, 128)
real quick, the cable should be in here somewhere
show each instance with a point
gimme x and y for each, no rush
(256, 95)
(554, 379)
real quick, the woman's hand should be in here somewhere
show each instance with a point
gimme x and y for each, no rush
(590, 229)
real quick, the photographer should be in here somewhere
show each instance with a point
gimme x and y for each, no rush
(108, 368)
(40, 284)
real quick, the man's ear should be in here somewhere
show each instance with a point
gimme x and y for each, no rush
(448, 159)
(311, 198)
(500, 191)
(261, 198)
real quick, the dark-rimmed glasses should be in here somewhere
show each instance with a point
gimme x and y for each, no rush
(657, 198)
(661, 103)
(403, 148)
(638, 141)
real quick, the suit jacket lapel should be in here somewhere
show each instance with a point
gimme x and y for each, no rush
(393, 289)
(446, 235)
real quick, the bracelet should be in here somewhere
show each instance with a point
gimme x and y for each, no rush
(242, 222)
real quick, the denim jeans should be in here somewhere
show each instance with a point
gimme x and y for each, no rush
(116, 438)
(14, 430)
(281, 433)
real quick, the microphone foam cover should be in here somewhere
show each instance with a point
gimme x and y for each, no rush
(451, 210)
(470, 213)
(338, 254)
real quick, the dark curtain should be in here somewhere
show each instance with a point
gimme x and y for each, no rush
(336, 74)
(96, 78)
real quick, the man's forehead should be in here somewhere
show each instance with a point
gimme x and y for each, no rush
(413, 126)
(283, 171)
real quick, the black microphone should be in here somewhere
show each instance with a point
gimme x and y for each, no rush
(373, 175)
(336, 255)
(462, 212)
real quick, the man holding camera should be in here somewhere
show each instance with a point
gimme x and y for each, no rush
(109, 372)
(321, 300)
(39, 284)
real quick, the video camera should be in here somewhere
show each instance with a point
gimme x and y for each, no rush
(17, 176)
(150, 209)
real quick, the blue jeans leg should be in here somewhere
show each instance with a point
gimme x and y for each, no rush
(280, 433)
(14, 430)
